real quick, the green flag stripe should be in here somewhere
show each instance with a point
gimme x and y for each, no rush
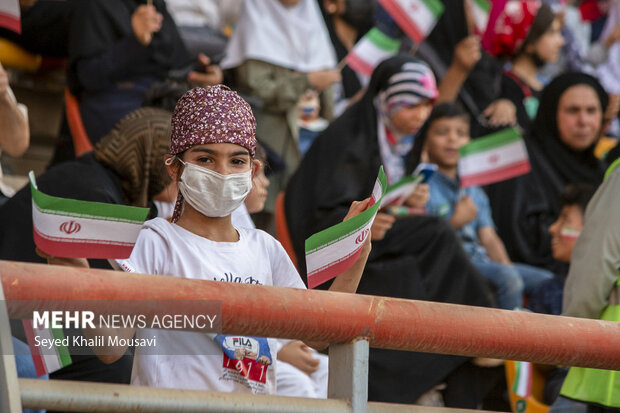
(383, 41)
(490, 142)
(347, 227)
(483, 5)
(61, 351)
(435, 6)
(86, 209)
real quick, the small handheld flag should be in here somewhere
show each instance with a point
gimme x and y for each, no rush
(397, 193)
(415, 17)
(480, 10)
(47, 359)
(374, 47)
(80, 229)
(9, 15)
(493, 158)
(335, 249)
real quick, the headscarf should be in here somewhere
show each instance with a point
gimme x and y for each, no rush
(514, 26)
(213, 114)
(134, 150)
(572, 166)
(293, 37)
(413, 83)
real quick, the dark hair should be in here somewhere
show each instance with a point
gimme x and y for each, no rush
(441, 110)
(542, 22)
(447, 110)
(577, 194)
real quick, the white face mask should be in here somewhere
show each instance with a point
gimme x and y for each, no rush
(211, 193)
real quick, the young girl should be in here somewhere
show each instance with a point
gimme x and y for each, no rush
(527, 33)
(212, 160)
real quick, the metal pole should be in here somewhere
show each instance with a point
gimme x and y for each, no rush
(73, 396)
(318, 316)
(9, 387)
(348, 373)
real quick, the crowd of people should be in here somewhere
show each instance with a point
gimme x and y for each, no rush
(207, 111)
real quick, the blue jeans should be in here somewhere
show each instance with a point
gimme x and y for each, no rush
(25, 365)
(511, 282)
(563, 405)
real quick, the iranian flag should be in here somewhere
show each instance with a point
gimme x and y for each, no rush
(370, 50)
(522, 385)
(335, 249)
(415, 17)
(47, 358)
(480, 10)
(81, 229)
(496, 157)
(9, 15)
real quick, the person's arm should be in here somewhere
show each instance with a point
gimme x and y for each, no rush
(465, 211)
(348, 281)
(14, 134)
(280, 88)
(100, 72)
(493, 245)
(595, 261)
(466, 54)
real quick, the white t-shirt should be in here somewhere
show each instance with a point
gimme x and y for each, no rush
(257, 258)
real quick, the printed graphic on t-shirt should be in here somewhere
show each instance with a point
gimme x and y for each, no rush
(249, 357)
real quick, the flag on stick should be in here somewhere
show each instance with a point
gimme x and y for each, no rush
(397, 193)
(522, 385)
(47, 359)
(480, 10)
(335, 249)
(374, 47)
(9, 15)
(80, 229)
(496, 157)
(415, 17)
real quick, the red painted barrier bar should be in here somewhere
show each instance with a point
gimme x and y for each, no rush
(337, 318)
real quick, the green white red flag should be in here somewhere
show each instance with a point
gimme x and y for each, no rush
(522, 385)
(374, 47)
(480, 11)
(9, 15)
(398, 192)
(47, 359)
(335, 249)
(493, 158)
(81, 229)
(415, 17)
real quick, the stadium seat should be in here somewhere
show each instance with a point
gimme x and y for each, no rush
(81, 143)
(282, 228)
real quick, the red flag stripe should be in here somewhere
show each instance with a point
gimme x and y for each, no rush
(37, 358)
(327, 273)
(496, 175)
(400, 16)
(80, 248)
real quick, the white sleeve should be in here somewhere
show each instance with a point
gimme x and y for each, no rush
(284, 272)
(148, 254)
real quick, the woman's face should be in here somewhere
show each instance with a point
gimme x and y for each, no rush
(579, 117)
(549, 45)
(409, 119)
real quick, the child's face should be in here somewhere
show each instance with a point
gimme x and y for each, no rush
(444, 138)
(410, 119)
(564, 232)
(255, 202)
